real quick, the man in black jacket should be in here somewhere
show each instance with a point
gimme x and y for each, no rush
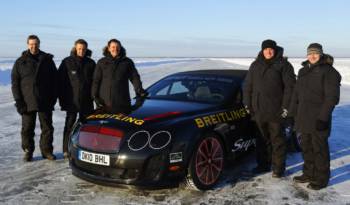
(110, 89)
(267, 92)
(34, 90)
(75, 82)
(316, 94)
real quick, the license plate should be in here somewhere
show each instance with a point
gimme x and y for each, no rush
(94, 158)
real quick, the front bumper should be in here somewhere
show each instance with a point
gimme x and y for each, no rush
(145, 171)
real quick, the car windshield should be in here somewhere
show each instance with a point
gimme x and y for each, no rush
(213, 90)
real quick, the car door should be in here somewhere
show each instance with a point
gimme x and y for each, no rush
(242, 131)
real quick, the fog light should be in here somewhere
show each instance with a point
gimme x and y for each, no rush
(174, 168)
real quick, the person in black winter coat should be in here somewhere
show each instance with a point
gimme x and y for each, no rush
(75, 82)
(267, 91)
(110, 89)
(34, 89)
(316, 94)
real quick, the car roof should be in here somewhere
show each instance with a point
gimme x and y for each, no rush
(217, 72)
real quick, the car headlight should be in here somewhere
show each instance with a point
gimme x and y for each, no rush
(139, 140)
(160, 139)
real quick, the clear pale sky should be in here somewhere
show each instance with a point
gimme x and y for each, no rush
(178, 28)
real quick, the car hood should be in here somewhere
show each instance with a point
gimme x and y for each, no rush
(153, 109)
(149, 111)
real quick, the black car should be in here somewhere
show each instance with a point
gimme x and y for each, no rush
(190, 124)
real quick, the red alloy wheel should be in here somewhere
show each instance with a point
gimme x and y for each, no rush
(209, 160)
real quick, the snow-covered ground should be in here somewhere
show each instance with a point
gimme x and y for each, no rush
(46, 182)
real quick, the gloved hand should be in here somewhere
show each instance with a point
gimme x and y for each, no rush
(247, 109)
(250, 112)
(21, 107)
(142, 93)
(99, 102)
(284, 113)
(321, 125)
(138, 103)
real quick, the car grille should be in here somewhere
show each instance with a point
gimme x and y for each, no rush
(99, 138)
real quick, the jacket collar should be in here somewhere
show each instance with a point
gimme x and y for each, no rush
(41, 55)
(326, 59)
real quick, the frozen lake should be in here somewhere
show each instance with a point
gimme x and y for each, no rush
(46, 182)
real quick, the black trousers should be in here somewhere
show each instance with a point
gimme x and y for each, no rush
(28, 127)
(315, 151)
(271, 146)
(71, 118)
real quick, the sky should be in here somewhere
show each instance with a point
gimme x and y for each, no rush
(181, 28)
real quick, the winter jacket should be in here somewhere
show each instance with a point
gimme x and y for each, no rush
(34, 85)
(111, 82)
(268, 87)
(75, 82)
(316, 93)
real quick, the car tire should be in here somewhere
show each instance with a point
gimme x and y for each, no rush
(207, 163)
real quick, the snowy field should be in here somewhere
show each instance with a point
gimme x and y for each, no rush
(46, 182)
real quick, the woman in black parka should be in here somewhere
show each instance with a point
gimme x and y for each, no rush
(316, 93)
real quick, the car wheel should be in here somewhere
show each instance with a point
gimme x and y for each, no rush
(207, 163)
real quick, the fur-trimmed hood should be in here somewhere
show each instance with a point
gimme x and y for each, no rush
(325, 59)
(121, 54)
(26, 54)
(278, 54)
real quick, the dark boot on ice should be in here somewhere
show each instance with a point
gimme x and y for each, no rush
(316, 187)
(277, 174)
(301, 179)
(49, 156)
(28, 156)
(65, 155)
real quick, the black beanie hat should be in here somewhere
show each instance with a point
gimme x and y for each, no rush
(315, 48)
(268, 44)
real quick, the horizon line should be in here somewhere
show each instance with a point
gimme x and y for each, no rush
(190, 56)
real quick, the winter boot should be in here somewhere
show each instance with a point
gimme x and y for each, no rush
(65, 155)
(49, 156)
(28, 156)
(314, 186)
(301, 179)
